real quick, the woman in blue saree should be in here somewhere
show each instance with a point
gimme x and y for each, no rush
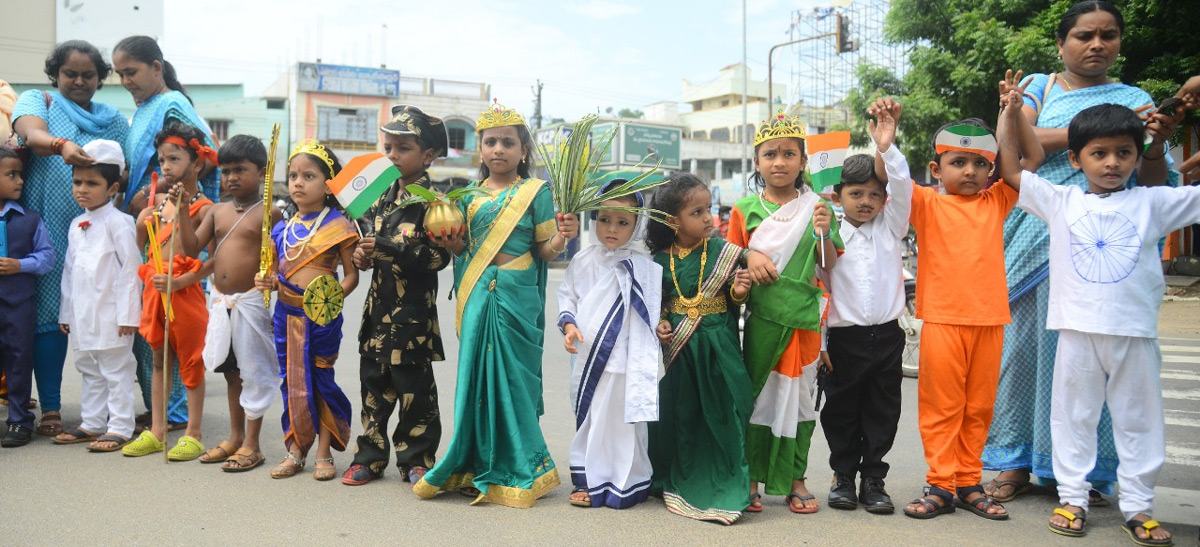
(55, 125)
(1089, 41)
(160, 98)
(498, 453)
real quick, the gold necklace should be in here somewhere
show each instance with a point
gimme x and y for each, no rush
(685, 251)
(691, 304)
(1066, 81)
(763, 201)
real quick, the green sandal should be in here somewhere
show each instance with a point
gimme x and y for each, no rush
(145, 444)
(186, 450)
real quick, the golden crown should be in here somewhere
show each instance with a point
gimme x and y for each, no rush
(780, 127)
(314, 148)
(498, 115)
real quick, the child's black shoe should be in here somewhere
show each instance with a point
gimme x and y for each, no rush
(16, 436)
(873, 497)
(841, 494)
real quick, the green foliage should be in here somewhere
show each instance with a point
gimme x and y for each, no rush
(964, 47)
(422, 195)
(630, 113)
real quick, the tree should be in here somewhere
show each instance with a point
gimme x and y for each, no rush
(629, 113)
(964, 47)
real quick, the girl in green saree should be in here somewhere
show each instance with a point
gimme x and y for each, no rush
(497, 452)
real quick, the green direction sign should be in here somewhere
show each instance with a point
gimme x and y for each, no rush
(549, 136)
(639, 141)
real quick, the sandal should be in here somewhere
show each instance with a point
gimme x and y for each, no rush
(932, 508)
(145, 444)
(324, 473)
(752, 508)
(359, 474)
(242, 461)
(74, 436)
(51, 423)
(416, 472)
(801, 498)
(119, 442)
(1132, 525)
(1071, 517)
(187, 449)
(469, 491)
(1096, 499)
(585, 501)
(981, 504)
(285, 469)
(1018, 488)
(219, 453)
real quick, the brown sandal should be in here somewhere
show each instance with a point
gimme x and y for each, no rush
(324, 473)
(219, 453)
(51, 424)
(243, 460)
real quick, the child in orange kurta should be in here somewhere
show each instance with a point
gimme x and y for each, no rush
(181, 156)
(962, 296)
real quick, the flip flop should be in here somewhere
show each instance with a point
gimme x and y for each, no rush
(803, 498)
(1018, 488)
(1132, 525)
(186, 450)
(754, 508)
(121, 441)
(146, 443)
(80, 436)
(1071, 518)
(219, 453)
(586, 502)
(240, 461)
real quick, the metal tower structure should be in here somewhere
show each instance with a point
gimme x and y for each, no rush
(820, 77)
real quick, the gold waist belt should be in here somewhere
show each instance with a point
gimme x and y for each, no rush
(706, 306)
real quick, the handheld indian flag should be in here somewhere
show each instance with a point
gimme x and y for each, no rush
(966, 138)
(826, 152)
(362, 181)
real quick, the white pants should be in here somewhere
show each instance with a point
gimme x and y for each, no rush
(1089, 370)
(106, 403)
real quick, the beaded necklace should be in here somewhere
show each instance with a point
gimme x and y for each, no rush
(503, 204)
(763, 201)
(163, 203)
(301, 242)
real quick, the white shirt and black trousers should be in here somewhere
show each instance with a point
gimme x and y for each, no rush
(865, 341)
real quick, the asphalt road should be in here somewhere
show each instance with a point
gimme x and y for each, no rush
(64, 494)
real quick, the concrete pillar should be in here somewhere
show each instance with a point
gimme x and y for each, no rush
(693, 165)
(718, 170)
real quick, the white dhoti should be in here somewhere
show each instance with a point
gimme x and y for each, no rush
(608, 455)
(1090, 370)
(240, 324)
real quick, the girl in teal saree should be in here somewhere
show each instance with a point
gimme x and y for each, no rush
(497, 452)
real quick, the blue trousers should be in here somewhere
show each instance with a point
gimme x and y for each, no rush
(16, 359)
(49, 353)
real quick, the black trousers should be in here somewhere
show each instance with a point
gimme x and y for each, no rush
(419, 427)
(862, 397)
(16, 359)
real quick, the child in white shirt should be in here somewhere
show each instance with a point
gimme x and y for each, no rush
(101, 302)
(1106, 286)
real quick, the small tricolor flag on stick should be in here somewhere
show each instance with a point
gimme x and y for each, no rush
(826, 152)
(362, 181)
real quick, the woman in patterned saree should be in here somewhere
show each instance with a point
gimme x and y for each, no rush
(497, 453)
(1089, 41)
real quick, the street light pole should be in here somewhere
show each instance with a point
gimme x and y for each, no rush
(771, 55)
(745, 84)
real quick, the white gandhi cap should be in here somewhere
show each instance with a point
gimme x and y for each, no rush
(105, 151)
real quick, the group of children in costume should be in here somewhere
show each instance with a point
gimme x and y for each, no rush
(668, 399)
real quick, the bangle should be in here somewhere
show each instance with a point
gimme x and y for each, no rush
(825, 237)
(735, 298)
(56, 145)
(1161, 156)
(550, 244)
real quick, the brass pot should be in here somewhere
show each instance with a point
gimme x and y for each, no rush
(441, 216)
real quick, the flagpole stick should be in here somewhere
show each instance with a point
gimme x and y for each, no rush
(821, 245)
(166, 362)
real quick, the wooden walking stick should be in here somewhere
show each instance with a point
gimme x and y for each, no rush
(166, 362)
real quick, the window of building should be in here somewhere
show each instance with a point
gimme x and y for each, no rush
(458, 137)
(700, 135)
(220, 129)
(720, 134)
(276, 104)
(347, 125)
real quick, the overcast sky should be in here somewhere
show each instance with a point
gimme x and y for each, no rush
(590, 54)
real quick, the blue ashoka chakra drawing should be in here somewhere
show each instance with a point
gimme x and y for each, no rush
(823, 159)
(1104, 246)
(359, 182)
(965, 142)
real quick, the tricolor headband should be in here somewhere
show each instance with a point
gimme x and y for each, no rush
(202, 151)
(966, 138)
